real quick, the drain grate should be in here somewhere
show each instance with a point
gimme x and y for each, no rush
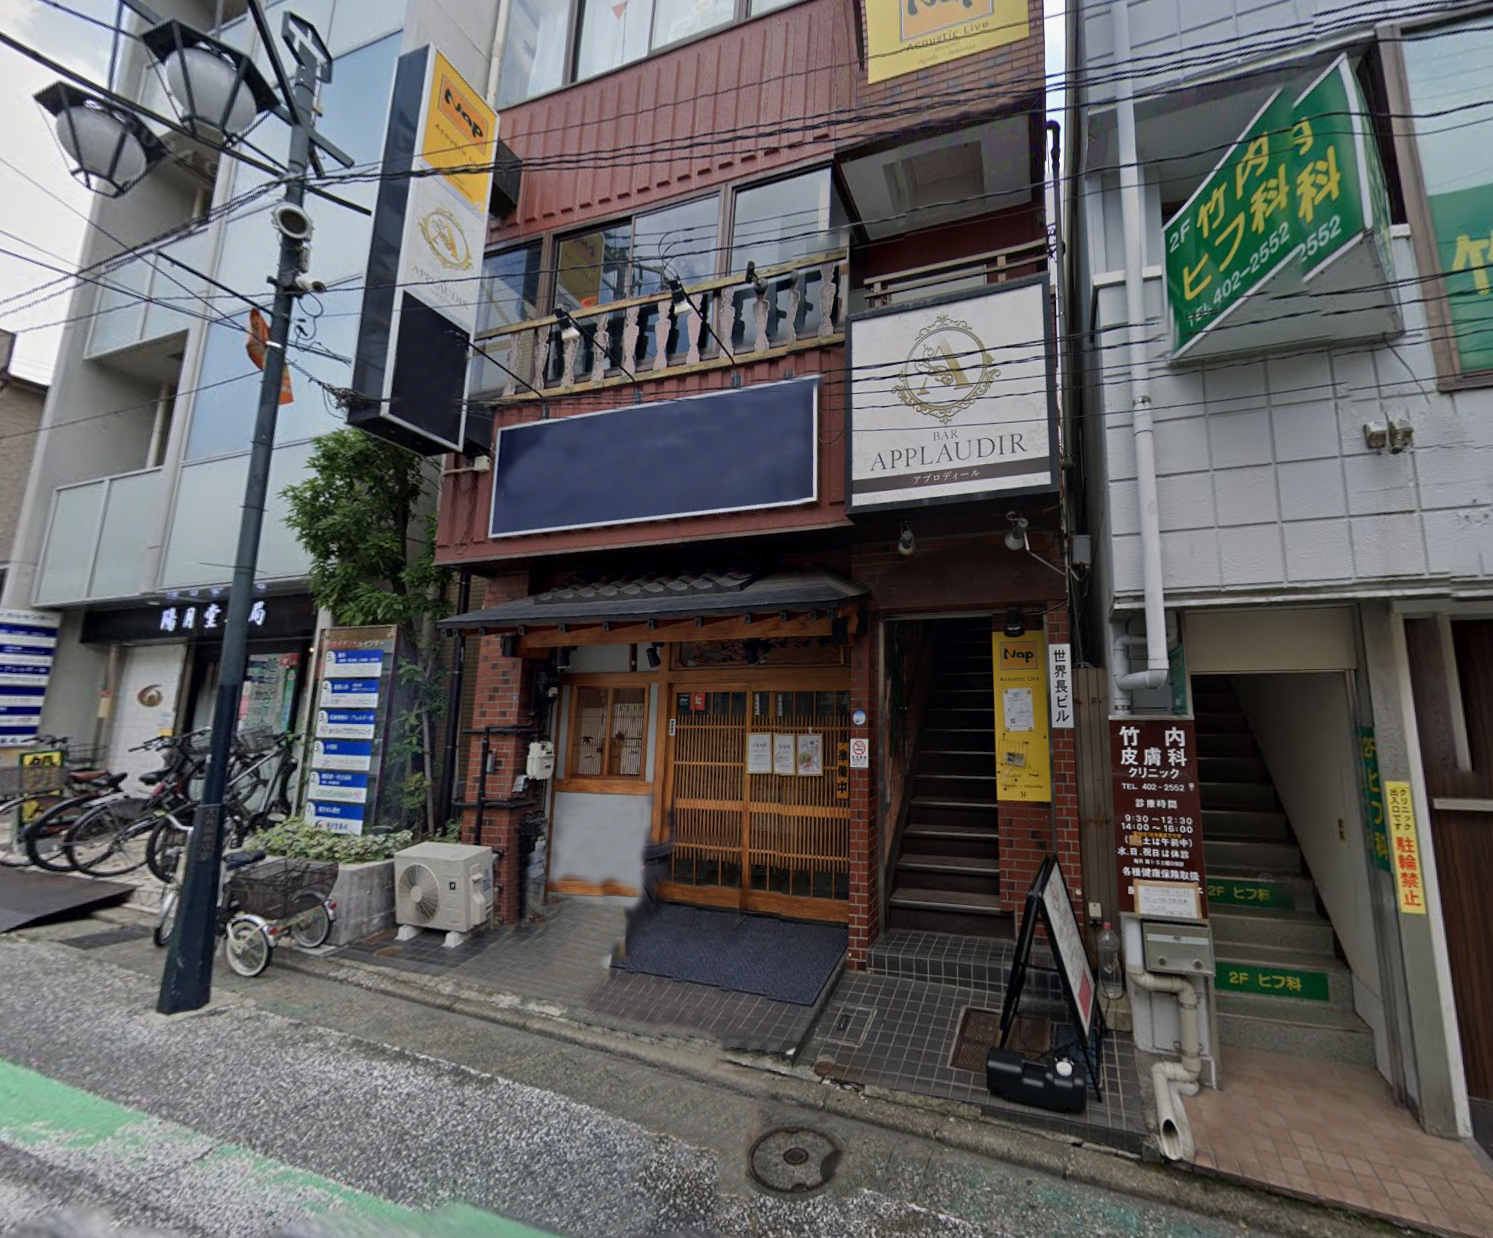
(108, 937)
(980, 1031)
(848, 1028)
(794, 1159)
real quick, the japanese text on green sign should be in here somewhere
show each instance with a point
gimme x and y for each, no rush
(1294, 188)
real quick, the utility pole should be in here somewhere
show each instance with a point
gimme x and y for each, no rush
(187, 981)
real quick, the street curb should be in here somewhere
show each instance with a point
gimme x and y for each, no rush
(955, 1125)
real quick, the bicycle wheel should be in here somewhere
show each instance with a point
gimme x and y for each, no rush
(110, 840)
(166, 917)
(312, 928)
(247, 947)
(45, 837)
(166, 849)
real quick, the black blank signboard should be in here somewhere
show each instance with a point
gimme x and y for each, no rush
(729, 451)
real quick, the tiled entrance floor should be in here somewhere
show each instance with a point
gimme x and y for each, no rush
(1321, 1130)
(897, 1027)
(564, 962)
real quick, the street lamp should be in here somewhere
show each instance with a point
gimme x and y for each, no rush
(110, 150)
(216, 89)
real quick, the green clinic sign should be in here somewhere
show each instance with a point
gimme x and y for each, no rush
(1300, 186)
(1463, 224)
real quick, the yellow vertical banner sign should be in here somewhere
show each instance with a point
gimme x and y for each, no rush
(460, 133)
(1023, 762)
(41, 772)
(1404, 848)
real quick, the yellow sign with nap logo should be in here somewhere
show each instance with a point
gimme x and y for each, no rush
(1023, 763)
(460, 133)
(903, 36)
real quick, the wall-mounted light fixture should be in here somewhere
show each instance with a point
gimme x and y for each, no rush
(907, 542)
(1015, 625)
(756, 281)
(655, 659)
(1016, 534)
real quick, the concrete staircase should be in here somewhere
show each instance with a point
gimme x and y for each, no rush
(1281, 986)
(947, 874)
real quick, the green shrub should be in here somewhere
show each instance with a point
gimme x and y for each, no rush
(299, 841)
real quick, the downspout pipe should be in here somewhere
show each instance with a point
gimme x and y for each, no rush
(1132, 214)
(1174, 1080)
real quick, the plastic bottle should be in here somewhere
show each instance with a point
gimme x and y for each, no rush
(1111, 968)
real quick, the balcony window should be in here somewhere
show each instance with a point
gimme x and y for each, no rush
(787, 219)
(534, 50)
(605, 35)
(1453, 120)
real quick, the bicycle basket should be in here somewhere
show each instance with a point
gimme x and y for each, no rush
(41, 772)
(280, 888)
(257, 739)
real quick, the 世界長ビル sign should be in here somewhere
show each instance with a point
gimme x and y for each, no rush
(1301, 186)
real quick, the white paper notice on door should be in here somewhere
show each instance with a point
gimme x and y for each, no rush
(1017, 705)
(759, 752)
(784, 759)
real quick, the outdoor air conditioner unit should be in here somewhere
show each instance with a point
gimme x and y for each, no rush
(442, 886)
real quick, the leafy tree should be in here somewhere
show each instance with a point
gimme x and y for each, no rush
(366, 517)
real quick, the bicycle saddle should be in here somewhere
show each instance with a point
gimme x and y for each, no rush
(242, 859)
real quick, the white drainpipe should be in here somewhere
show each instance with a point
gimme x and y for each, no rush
(1132, 212)
(1174, 1080)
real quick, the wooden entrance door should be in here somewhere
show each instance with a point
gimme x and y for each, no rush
(774, 842)
(1451, 668)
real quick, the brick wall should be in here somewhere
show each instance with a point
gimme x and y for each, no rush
(865, 826)
(501, 699)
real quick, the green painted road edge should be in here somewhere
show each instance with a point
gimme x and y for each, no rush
(38, 1113)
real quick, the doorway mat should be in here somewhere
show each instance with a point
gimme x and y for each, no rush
(27, 896)
(741, 953)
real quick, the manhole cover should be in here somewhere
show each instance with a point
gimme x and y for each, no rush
(794, 1159)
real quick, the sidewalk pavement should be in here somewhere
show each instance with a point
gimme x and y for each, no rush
(552, 979)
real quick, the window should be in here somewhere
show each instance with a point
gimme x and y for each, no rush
(613, 33)
(786, 219)
(1453, 118)
(607, 35)
(510, 287)
(607, 733)
(534, 50)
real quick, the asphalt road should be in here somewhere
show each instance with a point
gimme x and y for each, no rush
(295, 1100)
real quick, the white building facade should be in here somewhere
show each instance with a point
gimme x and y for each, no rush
(131, 511)
(1288, 450)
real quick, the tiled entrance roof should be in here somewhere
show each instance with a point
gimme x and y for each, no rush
(684, 596)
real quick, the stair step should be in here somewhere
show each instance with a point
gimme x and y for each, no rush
(1233, 745)
(933, 830)
(930, 764)
(1251, 894)
(1235, 930)
(1343, 1038)
(1256, 796)
(939, 801)
(1252, 857)
(1245, 825)
(947, 900)
(1209, 724)
(965, 865)
(1232, 769)
(1323, 980)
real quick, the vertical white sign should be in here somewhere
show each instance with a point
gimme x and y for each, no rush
(1060, 685)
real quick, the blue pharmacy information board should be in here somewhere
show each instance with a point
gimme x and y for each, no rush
(28, 643)
(353, 698)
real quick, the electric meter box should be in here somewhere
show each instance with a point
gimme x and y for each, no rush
(1177, 949)
(541, 762)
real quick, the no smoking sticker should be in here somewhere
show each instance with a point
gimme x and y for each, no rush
(860, 754)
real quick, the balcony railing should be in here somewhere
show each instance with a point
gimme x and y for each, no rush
(94, 539)
(138, 302)
(802, 305)
(970, 273)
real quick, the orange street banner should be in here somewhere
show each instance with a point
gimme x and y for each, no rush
(1404, 848)
(460, 134)
(903, 36)
(258, 340)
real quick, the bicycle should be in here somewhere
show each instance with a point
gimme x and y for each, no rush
(66, 781)
(172, 832)
(110, 838)
(260, 902)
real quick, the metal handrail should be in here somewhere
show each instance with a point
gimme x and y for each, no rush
(1000, 262)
